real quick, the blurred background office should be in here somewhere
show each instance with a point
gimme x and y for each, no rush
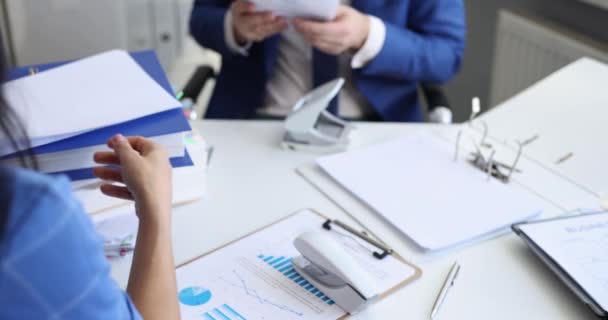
(511, 43)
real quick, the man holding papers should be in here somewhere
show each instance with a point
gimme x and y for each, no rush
(274, 52)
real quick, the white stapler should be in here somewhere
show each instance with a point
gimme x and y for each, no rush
(310, 127)
(331, 270)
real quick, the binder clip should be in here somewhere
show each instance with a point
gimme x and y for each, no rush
(489, 165)
(310, 127)
(384, 250)
(494, 169)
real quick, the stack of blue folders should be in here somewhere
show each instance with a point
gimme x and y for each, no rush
(71, 155)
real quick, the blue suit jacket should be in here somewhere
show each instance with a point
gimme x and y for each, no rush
(424, 44)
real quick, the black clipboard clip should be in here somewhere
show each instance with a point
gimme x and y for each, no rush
(385, 251)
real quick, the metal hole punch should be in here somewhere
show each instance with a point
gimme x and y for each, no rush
(310, 127)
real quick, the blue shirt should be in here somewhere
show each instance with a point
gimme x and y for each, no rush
(52, 264)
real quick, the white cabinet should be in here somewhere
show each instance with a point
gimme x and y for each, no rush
(53, 30)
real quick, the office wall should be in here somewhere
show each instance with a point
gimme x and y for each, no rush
(4, 35)
(475, 77)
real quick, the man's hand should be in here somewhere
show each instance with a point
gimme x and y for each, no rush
(348, 31)
(252, 26)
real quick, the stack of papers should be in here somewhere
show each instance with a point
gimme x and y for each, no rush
(71, 110)
(417, 186)
(312, 9)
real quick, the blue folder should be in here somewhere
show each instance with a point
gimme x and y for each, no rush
(167, 122)
(84, 174)
(163, 123)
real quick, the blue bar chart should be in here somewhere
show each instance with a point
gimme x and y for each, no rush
(283, 265)
(224, 312)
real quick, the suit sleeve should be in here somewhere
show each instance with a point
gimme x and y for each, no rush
(207, 25)
(428, 49)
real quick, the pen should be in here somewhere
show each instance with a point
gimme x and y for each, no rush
(449, 282)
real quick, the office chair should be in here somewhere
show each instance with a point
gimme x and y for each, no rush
(438, 106)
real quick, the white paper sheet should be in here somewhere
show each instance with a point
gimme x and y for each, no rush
(91, 93)
(437, 202)
(315, 9)
(580, 246)
(252, 278)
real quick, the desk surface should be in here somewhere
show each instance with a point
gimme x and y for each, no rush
(252, 182)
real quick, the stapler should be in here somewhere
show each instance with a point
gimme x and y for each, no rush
(310, 127)
(332, 271)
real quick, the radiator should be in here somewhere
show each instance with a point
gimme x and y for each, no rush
(528, 50)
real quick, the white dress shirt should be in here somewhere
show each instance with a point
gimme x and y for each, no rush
(293, 73)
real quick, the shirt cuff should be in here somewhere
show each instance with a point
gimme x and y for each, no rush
(231, 42)
(372, 46)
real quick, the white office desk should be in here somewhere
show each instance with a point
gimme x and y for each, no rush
(252, 183)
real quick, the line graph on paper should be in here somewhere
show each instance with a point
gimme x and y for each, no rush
(240, 283)
(253, 278)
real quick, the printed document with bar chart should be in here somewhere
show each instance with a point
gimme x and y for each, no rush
(253, 278)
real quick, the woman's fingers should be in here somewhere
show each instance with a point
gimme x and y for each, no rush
(108, 174)
(116, 192)
(108, 158)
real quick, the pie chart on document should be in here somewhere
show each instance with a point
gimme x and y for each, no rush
(194, 296)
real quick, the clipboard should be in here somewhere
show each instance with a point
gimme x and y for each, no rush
(555, 265)
(205, 266)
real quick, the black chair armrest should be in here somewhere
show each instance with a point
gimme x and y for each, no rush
(435, 97)
(197, 82)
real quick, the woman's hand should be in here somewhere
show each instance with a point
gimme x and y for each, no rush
(252, 26)
(143, 174)
(144, 171)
